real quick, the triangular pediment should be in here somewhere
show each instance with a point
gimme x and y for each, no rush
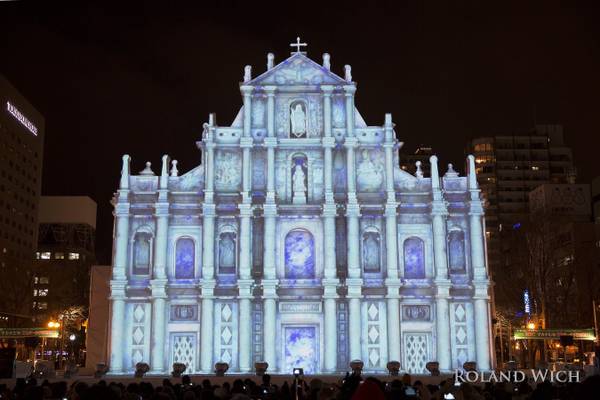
(298, 70)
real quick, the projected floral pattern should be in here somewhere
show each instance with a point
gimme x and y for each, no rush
(184, 259)
(301, 349)
(414, 258)
(299, 255)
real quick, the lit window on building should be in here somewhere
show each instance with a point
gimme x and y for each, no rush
(46, 255)
(73, 256)
(37, 255)
(534, 168)
(59, 256)
(42, 292)
(42, 305)
(44, 280)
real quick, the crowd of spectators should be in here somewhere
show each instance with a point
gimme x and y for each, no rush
(352, 387)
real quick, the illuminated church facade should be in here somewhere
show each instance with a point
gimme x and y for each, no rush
(298, 241)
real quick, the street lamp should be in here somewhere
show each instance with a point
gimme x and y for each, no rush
(531, 326)
(72, 337)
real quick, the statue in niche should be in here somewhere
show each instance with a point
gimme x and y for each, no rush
(227, 253)
(371, 252)
(298, 121)
(369, 176)
(299, 185)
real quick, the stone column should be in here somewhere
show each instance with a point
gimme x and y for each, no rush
(270, 324)
(209, 147)
(208, 241)
(246, 214)
(392, 281)
(442, 283)
(330, 283)
(121, 238)
(247, 94)
(270, 91)
(117, 326)
(355, 325)
(328, 144)
(246, 144)
(270, 215)
(245, 325)
(207, 327)
(271, 144)
(352, 215)
(158, 350)
(483, 341)
(349, 91)
(161, 213)
(350, 145)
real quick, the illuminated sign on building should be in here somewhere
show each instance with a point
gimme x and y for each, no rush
(21, 118)
(578, 334)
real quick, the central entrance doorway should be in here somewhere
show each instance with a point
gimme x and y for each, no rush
(301, 348)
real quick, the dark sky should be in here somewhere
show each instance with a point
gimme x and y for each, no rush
(142, 79)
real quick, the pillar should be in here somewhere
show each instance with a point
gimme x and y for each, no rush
(393, 321)
(208, 241)
(352, 214)
(482, 327)
(270, 326)
(245, 233)
(330, 283)
(270, 143)
(443, 345)
(330, 320)
(245, 325)
(247, 95)
(158, 351)
(349, 91)
(117, 326)
(206, 328)
(270, 215)
(355, 327)
(350, 145)
(121, 241)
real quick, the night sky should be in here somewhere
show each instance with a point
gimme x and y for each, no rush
(142, 79)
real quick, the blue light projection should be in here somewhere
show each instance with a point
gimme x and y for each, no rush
(301, 349)
(299, 255)
(414, 258)
(456, 250)
(184, 259)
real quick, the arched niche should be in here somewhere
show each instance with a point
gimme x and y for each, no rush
(456, 251)
(185, 258)
(414, 258)
(299, 254)
(371, 250)
(141, 252)
(227, 250)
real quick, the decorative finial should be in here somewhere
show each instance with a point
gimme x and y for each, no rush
(270, 60)
(388, 119)
(247, 73)
(147, 170)
(174, 171)
(164, 172)
(419, 173)
(326, 61)
(435, 175)
(124, 184)
(472, 177)
(212, 117)
(451, 173)
(348, 73)
(297, 45)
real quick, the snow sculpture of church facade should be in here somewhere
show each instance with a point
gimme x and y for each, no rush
(298, 241)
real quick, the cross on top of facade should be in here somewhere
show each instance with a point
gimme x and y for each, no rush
(297, 45)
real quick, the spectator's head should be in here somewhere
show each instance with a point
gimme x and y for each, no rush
(406, 379)
(186, 380)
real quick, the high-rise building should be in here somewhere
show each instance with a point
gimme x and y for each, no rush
(65, 254)
(21, 153)
(508, 168)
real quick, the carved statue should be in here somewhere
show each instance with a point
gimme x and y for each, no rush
(369, 176)
(299, 185)
(298, 120)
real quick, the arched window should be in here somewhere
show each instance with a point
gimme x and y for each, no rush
(227, 252)
(184, 258)
(456, 251)
(142, 250)
(371, 251)
(414, 258)
(299, 255)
